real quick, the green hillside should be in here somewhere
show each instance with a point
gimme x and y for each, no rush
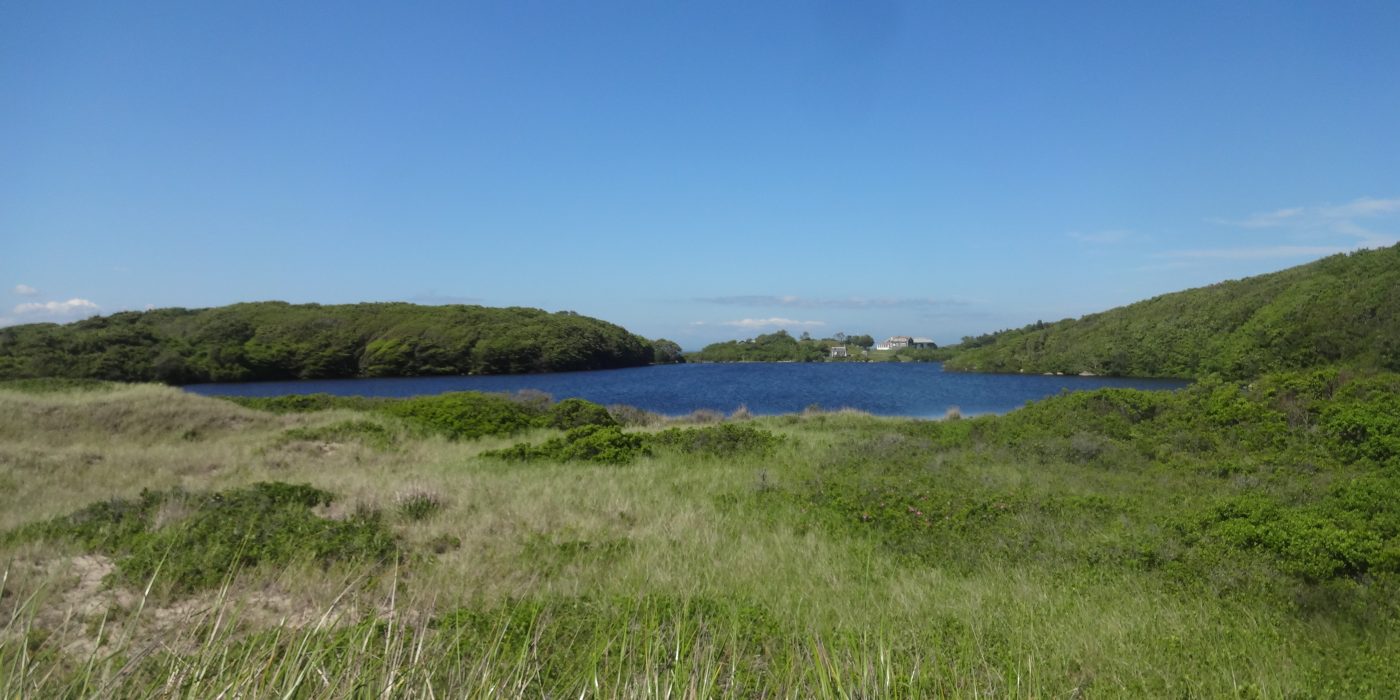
(276, 340)
(1343, 309)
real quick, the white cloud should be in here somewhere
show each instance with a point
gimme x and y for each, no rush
(1328, 220)
(432, 298)
(1261, 253)
(25, 290)
(72, 307)
(1106, 237)
(763, 300)
(774, 322)
(1268, 219)
(756, 323)
(1310, 231)
(1366, 207)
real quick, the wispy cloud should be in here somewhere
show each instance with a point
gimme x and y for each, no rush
(797, 302)
(1106, 237)
(1331, 220)
(1268, 219)
(432, 298)
(1260, 253)
(1363, 208)
(25, 290)
(757, 323)
(1308, 231)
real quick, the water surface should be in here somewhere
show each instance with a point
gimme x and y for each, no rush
(893, 389)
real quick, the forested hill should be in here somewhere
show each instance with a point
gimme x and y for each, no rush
(276, 340)
(1343, 309)
(778, 346)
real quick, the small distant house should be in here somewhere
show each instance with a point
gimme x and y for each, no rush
(925, 343)
(898, 341)
(838, 351)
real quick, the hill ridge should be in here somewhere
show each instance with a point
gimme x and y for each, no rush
(1342, 309)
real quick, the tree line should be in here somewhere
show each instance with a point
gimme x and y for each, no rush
(276, 340)
(780, 346)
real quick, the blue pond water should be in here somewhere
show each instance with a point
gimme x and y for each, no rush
(905, 389)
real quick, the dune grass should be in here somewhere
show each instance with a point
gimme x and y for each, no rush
(851, 556)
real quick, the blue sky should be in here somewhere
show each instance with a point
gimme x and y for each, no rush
(697, 171)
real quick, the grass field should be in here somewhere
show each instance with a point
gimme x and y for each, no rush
(1096, 545)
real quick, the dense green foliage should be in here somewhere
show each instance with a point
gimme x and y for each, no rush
(459, 415)
(778, 346)
(275, 340)
(464, 414)
(609, 444)
(1342, 309)
(574, 413)
(770, 347)
(309, 403)
(589, 443)
(723, 440)
(196, 540)
(666, 352)
(1304, 467)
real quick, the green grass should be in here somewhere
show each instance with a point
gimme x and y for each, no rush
(1226, 540)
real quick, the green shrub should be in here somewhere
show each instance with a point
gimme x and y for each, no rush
(724, 440)
(1368, 430)
(418, 505)
(464, 415)
(365, 432)
(104, 526)
(306, 403)
(573, 413)
(1354, 531)
(589, 443)
(212, 535)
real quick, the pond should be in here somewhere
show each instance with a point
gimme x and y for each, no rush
(884, 388)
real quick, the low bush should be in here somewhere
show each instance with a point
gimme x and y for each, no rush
(1365, 430)
(365, 432)
(418, 504)
(589, 443)
(1353, 531)
(465, 415)
(306, 403)
(724, 440)
(574, 413)
(213, 535)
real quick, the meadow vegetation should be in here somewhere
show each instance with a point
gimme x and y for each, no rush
(1230, 539)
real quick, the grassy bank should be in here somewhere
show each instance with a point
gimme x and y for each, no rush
(1226, 540)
